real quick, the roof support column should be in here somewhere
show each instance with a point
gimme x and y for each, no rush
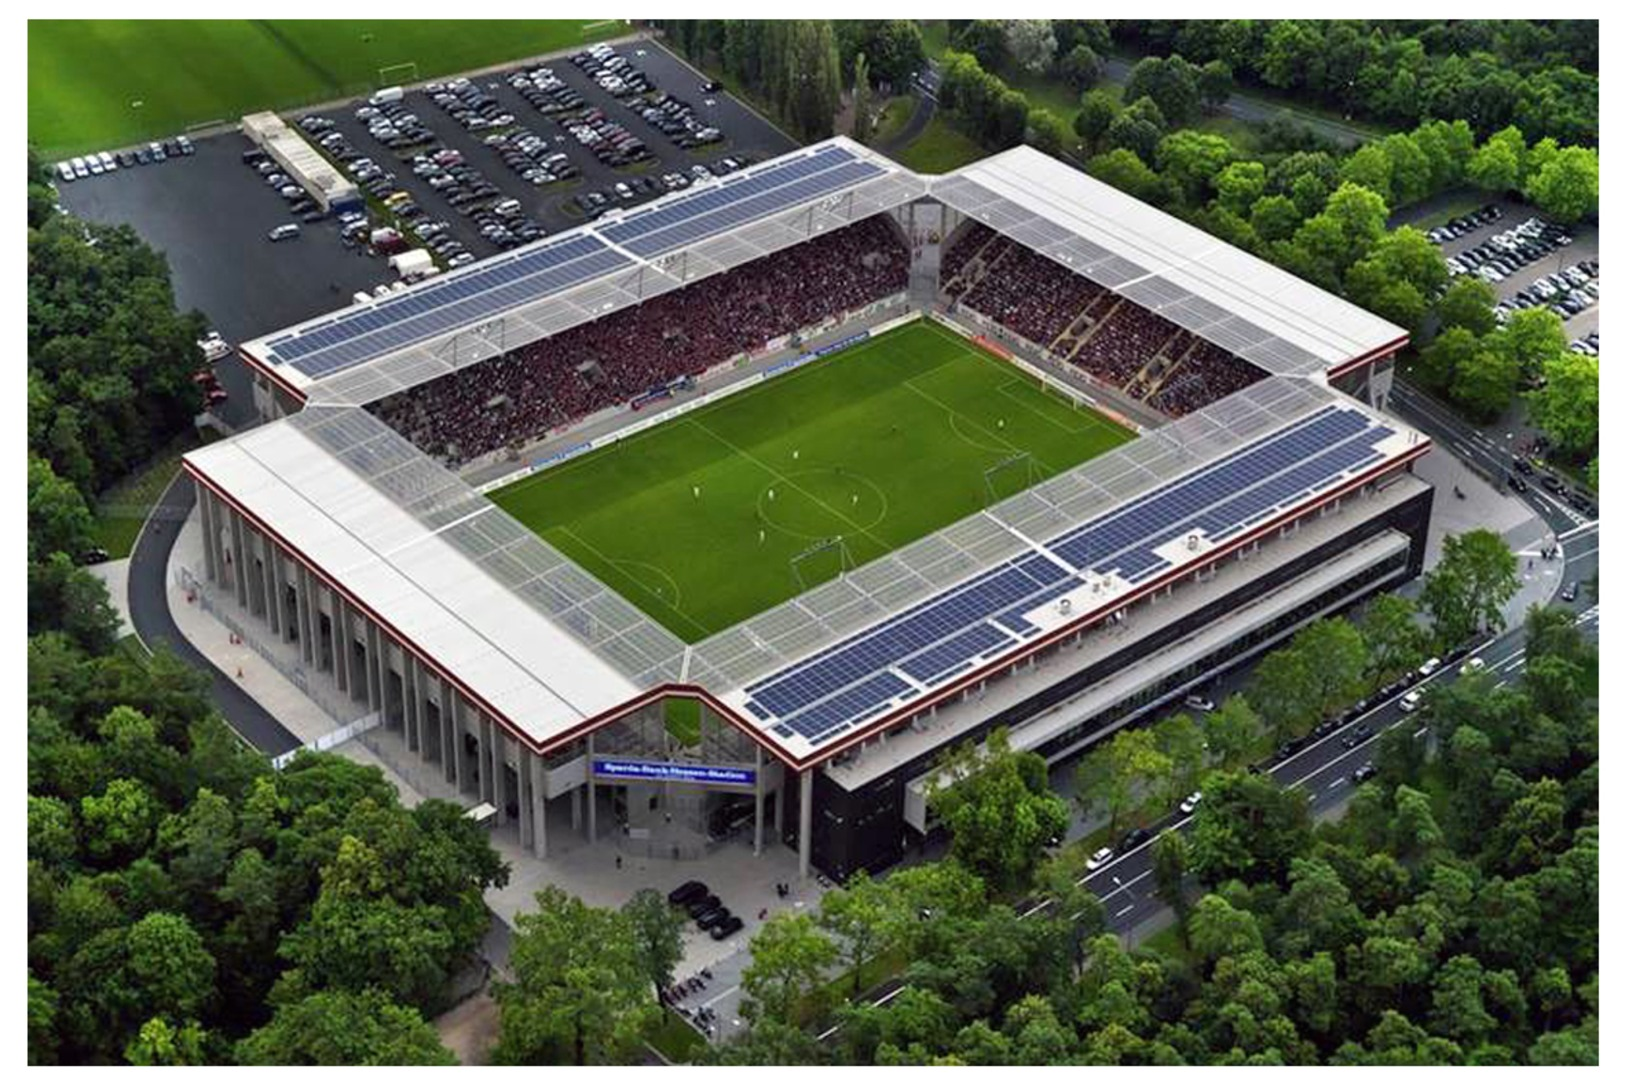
(302, 614)
(450, 735)
(759, 804)
(540, 817)
(459, 753)
(412, 703)
(371, 671)
(487, 762)
(804, 835)
(343, 645)
(273, 588)
(499, 777)
(239, 559)
(527, 800)
(210, 540)
(592, 796)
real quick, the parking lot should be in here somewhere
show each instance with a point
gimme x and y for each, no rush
(495, 129)
(1539, 255)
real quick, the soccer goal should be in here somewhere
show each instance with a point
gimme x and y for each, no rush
(398, 75)
(1010, 475)
(820, 562)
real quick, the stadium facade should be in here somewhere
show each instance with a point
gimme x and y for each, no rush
(1067, 611)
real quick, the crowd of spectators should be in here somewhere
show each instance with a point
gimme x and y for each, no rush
(511, 399)
(1113, 338)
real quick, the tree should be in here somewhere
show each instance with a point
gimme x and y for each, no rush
(1410, 171)
(161, 1043)
(862, 914)
(341, 1027)
(1337, 652)
(1234, 732)
(1117, 773)
(1096, 113)
(1498, 164)
(1398, 276)
(1568, 407)
(1466, 591)
(1247, 827)
(1215, 83)
(1047, 132)
(657, 936)
(1218, 929)
(1169, 82)
(169, 967)
(860, 99)
(1191, 160)
(1286, 693)
(1395, 643)
(1030, 43)
(1369, 168)
(1275, 218)
(580, 995)
(1566, 186)
(58, 519)
(1170, 860)
(119, 821)
(789, 956)
(1122, 169)
(1468, 304)
(1179, 739)
(1485, 382)
(1139, 128)
(42, 1012)
(1240, 185)
(1531, 340)
(997, 804)
(72, 600)
(1081, 68)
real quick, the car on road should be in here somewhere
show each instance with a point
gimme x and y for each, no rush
(284, 232)
(727, 928)
(1358, 736)
(1133, 838)
(1364, 771)
(1188, 805)
(1518, 484)
(1429, 667)
(1473, 664)
(1198, 702)
(1100, 857)
(1571, 591)
(687, 892)
(1411, 701)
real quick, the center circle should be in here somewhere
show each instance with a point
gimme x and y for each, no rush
(816, 503)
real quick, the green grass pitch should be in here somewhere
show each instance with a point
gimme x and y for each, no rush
(87, 76)
(880, 444)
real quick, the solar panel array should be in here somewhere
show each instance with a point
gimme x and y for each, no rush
(898, 659)
(459, 299)
(742, 199)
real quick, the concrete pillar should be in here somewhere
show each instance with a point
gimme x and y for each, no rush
(335, 636)
(218, 539)
(575, 808)
(527, 800)
(206, 520)
(343, 647)
(540, 818)
(241, 563)
(487, 744)
(459, 752)
(273, 587)
(759, 804)
(412, 702)
(778, 809)
(450, 736)
(383, 676)
(304, 588)
(592, 796)
(804, 835)
(499, 779)
(370, 668)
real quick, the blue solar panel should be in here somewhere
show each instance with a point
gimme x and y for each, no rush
(711, 211)
(459, 299)
(945, 635)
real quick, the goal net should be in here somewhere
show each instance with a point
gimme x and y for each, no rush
(820, 562)
(1009, 475)
(395, 75)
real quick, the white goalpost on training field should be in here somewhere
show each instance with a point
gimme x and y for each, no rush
(396, 75)
(835, 545)
(1018, 466)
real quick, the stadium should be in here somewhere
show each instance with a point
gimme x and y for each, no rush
(727, 515)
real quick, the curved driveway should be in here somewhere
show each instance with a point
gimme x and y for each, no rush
(149, 613)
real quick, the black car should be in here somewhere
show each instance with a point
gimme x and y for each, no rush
(687, 893)
(1289, 748)
(703, 906)
(711, 86)
(1364, 771)
(1132, 839)
(1553, 484)
(726, 928)
(1571, 591)
(1523, 466)
(714, 916)
(1357, 736)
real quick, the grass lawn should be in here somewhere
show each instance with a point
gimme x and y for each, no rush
(122, 509)
(1169, 944)
(940, 148)
(675, 1037)
(894, 116)
(879, 445)
(102, 83)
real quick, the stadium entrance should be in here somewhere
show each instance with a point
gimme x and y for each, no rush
(679, 782)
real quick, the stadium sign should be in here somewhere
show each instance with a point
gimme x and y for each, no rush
(642, 770)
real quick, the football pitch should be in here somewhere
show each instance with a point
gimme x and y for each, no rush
(99, 84)
(699, 521)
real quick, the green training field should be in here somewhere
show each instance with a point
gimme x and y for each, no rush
(879, 445)
(96, 84)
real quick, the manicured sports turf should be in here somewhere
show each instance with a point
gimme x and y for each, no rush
(87, 76)
(880, 445)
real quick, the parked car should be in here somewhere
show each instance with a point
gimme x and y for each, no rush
(1571, 591)
(1188, 805)
(1411, 701)
(1364, 772)
(726, 928)
(284, 232)
(1098, 858)
(687, 892)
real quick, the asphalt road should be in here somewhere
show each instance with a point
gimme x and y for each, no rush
(1245, 107)
(149, 613)
(1489, 451)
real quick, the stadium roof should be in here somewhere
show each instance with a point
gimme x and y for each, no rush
(548, 647)
(1245, 305)
(372, 349)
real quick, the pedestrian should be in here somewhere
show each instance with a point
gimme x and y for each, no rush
(617, 861)
(239, 672)
(761, 915)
